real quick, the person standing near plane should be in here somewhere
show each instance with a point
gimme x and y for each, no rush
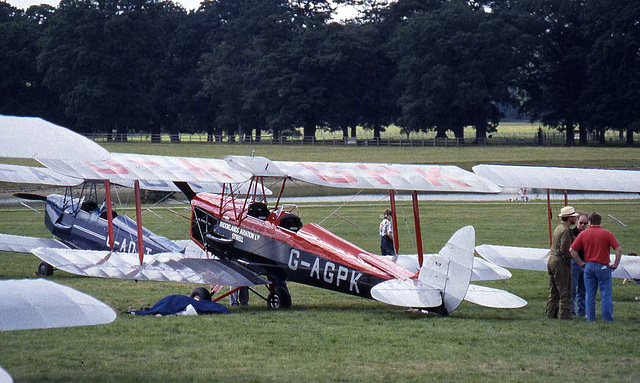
(386, 235)
(559, 266)
(240, 297)
(577, 272)
(596, 242)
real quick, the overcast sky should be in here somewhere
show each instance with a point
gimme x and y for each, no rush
(188, 4)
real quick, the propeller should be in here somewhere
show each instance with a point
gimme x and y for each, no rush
(31, 197)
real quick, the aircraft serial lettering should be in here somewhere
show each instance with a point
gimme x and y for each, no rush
(329, 274)
(238, 233)
(132, 247)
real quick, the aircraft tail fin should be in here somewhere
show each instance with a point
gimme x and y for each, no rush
(443, 279)
(450, 270)
(185, 189)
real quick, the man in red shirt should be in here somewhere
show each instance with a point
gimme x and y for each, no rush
(596, 242)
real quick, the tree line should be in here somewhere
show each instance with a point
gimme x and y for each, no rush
(244, 67)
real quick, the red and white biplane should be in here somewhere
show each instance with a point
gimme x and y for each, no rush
(246, 243)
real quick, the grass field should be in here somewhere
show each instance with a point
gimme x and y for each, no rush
(334, 337)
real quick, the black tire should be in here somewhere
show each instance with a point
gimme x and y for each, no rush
(45, 270)
(201, 294)
(279, 299)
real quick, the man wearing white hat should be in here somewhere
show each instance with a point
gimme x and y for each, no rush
(559, 266)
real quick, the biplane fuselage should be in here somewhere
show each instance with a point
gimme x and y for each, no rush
(82, 225)
(275, 244)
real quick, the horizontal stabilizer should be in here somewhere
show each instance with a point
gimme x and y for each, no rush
(39, 303)
(482, 269)
(31, 196)
(407, 293)
(164, 267)
(23, 244)
(495, 298)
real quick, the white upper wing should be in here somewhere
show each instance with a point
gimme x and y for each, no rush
(122, 167)
(606, 180)
(429, 178)
(34, 175)
(39, 303)
(30, 137)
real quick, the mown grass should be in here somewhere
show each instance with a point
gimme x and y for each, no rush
(335, 337)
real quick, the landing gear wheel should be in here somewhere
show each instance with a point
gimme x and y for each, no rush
(201, 294)
(45, 270)
(279, 299)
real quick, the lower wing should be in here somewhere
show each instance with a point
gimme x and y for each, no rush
(164, 267)
(23, 244)
(529, 258)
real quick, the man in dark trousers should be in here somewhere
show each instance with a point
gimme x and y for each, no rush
(577, 272)
(559, 266)
(596, 242)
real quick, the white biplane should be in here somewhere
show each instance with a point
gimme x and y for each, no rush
(558, 178)
(247, 244)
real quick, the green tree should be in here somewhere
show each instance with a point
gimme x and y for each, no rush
(613, 64)
(21, 89)
(110, 61)
(554, 80)
(453, 69)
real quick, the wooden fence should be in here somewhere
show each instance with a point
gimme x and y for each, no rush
(518, 139)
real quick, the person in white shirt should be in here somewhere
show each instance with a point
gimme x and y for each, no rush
(386, 235)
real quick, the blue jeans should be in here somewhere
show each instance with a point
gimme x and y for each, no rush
(577, 290)
(597, 275)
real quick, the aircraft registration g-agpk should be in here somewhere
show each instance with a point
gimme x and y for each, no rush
(245, 243)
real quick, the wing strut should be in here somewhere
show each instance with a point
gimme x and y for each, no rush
(280, 194)
(394, 220)
(107, 195)
(136, 188)
(549, 214)
(416, 220)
